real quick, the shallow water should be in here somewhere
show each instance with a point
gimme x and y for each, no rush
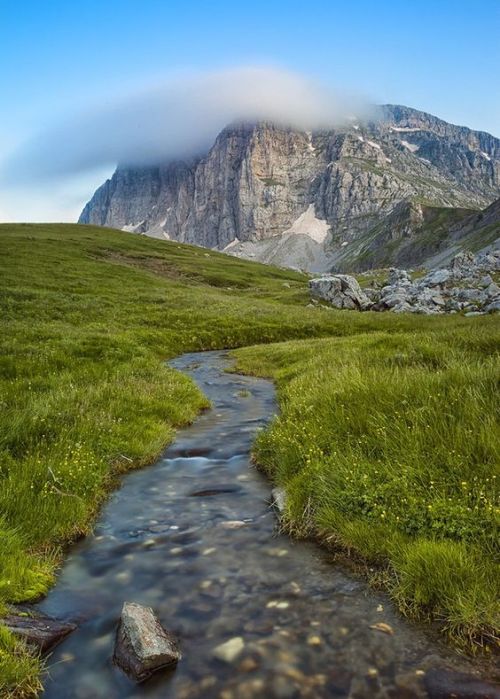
(161, 541)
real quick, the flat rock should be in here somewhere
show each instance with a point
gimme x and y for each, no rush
(142, 645)
(39, 631)
(232, 524)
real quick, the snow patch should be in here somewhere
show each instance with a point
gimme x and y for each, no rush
(308, 224)
(374, 145)
(310, 144)
(485, 155)
(410, 146)
(230, 245)
(404, 129)
(132, 228)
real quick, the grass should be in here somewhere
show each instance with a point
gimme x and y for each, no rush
(89, 316)
(388, 449)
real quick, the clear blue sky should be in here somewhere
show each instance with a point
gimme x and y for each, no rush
(57, 56)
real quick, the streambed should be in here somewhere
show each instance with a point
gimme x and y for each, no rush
(163, 540)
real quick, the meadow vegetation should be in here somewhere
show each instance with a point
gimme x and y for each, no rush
(89, 316)
(387, 446)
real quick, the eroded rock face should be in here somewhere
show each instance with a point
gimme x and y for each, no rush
(143, 646)
(334, 199)
(341, 290)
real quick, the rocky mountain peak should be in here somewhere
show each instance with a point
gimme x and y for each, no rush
(336, 199)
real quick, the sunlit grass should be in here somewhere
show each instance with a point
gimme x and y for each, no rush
(388, 447)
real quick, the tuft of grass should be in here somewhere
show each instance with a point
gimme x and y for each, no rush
(19, 670)
(388, 448)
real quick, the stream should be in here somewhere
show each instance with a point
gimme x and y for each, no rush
(163, 540)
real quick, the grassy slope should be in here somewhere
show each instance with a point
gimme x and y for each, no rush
(88, 316)
(388, 448)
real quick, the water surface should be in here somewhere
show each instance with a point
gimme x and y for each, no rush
(163, 540)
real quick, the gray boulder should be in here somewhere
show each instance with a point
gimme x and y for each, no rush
(493, 306)
(398, 277)
(436, 278)
(142, 645)
(341, 290)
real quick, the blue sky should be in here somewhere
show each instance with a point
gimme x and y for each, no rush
(57, 58)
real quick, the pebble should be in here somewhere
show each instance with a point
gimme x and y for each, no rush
(232, 524)
(230, 650)
(248, 665)
(277, 552)
(314, 641)
(277, 605)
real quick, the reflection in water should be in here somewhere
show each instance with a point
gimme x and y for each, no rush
(193, 536)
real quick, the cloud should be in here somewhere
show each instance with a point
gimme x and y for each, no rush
(177, 119)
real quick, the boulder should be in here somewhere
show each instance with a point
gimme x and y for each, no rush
(142, 645)
(493, 306)
(341, 290)
(398, 277)
(462, 263)
(40, 632)
(436, 278)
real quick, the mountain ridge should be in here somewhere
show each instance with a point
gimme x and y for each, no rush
(267, 192)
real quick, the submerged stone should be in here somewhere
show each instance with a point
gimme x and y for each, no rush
(230, 650)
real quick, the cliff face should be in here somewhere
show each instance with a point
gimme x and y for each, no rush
(317, 201)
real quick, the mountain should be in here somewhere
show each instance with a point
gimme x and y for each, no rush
(394, 189)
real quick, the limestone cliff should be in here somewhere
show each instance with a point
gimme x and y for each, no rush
(332, 199)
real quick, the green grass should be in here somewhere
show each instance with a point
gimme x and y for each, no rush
(89, 316)
(388, 448)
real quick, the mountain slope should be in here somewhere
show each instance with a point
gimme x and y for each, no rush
(306, 199)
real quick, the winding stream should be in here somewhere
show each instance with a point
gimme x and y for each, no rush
(162, 541)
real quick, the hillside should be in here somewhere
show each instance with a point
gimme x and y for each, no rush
(89, 316)
(316, 201)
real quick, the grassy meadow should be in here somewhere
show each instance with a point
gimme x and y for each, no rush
(375, 408)
(387, 446)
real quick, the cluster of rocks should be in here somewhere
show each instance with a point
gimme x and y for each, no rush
(465, 286)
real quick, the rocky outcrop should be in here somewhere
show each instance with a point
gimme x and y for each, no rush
(143, 646)
(341, 290)
(465, 286)
(348, 198)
